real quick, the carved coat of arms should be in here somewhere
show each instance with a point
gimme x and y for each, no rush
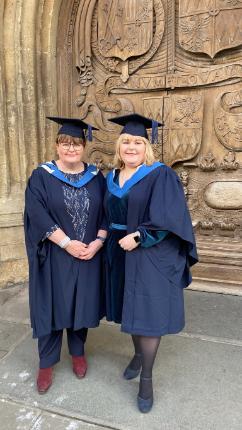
(210, 26)
(228, 121)
(125, 27)
(183, 118)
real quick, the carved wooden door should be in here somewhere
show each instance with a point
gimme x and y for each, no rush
(179, 62)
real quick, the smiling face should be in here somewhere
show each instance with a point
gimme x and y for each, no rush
(69, 149)
(132, 150)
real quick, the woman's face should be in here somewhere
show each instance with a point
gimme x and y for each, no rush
(70, 152)
(132, 151)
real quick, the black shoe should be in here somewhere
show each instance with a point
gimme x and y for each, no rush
(130, 373)
(145, 405)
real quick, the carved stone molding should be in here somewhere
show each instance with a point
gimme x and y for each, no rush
(224, 195)
(215, 199)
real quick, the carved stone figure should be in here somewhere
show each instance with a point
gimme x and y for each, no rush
(229, 162)
(207, 163)
(226, 224)
(184, 176)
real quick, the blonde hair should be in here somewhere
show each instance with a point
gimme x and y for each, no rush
(70, 139)
(149, 154)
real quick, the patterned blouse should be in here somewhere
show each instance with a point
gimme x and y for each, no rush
(76, 203)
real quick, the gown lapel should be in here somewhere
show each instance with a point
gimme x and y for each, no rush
(53, 170)
(118, 191)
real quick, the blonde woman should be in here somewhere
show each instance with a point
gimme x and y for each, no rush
(150, 248)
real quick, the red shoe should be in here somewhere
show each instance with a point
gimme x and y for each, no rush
(79, 366)
(44, 380)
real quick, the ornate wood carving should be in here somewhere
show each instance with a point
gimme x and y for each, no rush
(229, 162)
(180, 62)
(207, 163)
(210, 26)
(228, 119)
(183, 115)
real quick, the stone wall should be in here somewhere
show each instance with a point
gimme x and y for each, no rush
(27, 93)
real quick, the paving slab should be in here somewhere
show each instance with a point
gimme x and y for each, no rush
(53, 421)
(2, 353)
(215, 315)
(198, 384)
(11, 334)
(17, 417)
(14, 304)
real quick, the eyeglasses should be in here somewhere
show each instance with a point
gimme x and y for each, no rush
(67, 146)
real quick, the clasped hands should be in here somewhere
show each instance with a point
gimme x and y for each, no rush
(82, 251)
(86, 252)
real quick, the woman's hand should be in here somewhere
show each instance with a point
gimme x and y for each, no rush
(128, 243)
(76, 248)
(91, 249)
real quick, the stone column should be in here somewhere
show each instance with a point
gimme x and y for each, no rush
(28, 34)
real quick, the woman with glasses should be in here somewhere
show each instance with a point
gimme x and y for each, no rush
(65, 230)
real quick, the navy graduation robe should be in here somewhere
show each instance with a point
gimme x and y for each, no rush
(154, 277)
(64, 292)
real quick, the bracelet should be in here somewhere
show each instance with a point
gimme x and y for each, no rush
(64, 242)
(101, 238)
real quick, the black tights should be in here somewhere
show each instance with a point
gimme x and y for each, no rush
(146, 348)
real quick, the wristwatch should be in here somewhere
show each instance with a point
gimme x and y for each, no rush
(137, 238)
(101, 238)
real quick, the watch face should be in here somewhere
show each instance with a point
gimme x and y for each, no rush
(137, 239)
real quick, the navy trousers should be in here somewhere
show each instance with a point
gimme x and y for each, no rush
(50, 346)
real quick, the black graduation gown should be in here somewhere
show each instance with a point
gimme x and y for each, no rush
(153, 277)
(64, 292)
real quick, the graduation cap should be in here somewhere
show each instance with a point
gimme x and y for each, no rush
(137, 125)
(73, 127)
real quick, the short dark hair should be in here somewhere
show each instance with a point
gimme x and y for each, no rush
(70, 139)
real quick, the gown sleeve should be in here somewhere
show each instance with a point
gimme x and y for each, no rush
(37, 218)
(49, 233)
(150, 238)
(168, 211)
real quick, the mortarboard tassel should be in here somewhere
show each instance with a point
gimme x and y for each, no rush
(89, 134)
(154, 137)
